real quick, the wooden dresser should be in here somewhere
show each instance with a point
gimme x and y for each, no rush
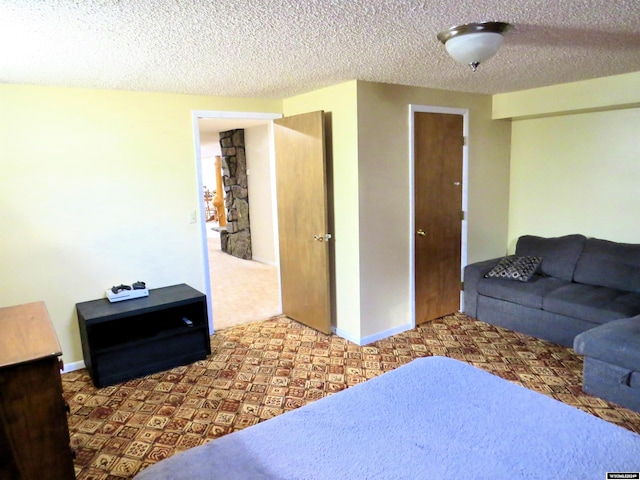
(34, 435)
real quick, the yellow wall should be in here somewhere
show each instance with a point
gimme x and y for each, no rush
(340, 102)
(576, 174)
(575, 159)
(607, 93)
(261, 195)
(97, 188)
(384, 193)
(371, 183)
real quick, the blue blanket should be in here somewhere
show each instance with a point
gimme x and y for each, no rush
(433, 418)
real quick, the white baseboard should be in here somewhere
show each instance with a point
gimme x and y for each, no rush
(346, 335)
(266, 262)
(71, 367)
(385, 334)
(360, 341)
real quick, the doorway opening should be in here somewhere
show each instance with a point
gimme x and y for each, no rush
(238, 290)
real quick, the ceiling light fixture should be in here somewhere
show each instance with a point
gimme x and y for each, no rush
(474, 43)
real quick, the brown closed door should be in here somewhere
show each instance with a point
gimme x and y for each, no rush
(438, 147)
(302, 219)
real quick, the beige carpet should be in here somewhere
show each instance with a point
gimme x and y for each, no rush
(242, 291)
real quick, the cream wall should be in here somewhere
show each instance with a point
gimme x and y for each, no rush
(575, 170)
(97, 188)
(606, 93)
(576, 174)
(371, 184)
(339, 102)
(384, 194)
(261, 202)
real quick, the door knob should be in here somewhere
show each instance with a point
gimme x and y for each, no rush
(420, 232)
(322, 238)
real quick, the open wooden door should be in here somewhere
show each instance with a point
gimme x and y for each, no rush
(438, 143)
(301, 186)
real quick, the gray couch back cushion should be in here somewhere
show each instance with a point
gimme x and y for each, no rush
(610, 264)
(559, 254)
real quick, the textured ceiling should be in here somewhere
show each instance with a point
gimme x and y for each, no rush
(280, 48)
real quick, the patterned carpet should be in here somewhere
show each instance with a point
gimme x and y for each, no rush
(260, 370)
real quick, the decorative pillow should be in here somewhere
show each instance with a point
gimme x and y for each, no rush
(515, 268)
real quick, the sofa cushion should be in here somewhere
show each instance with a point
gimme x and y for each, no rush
(616, 342)
(529, 294)
(559, 254)
(592, 303)
(609, 264)
(515, 268)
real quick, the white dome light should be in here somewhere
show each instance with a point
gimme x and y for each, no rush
(474, 43)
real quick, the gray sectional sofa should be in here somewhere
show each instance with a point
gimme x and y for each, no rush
(585, 294)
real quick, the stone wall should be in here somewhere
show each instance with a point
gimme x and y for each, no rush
(236, 240)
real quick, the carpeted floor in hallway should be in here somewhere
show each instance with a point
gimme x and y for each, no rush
(242, 291)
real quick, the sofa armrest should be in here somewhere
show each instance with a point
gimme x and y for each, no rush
(616, 342)
(472, 275)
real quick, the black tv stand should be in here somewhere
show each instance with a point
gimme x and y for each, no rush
(133, 338)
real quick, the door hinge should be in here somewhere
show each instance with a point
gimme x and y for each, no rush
(461, 285)
(462, 215)
(464, 141)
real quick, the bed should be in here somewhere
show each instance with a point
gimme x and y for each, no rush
(432, 418)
